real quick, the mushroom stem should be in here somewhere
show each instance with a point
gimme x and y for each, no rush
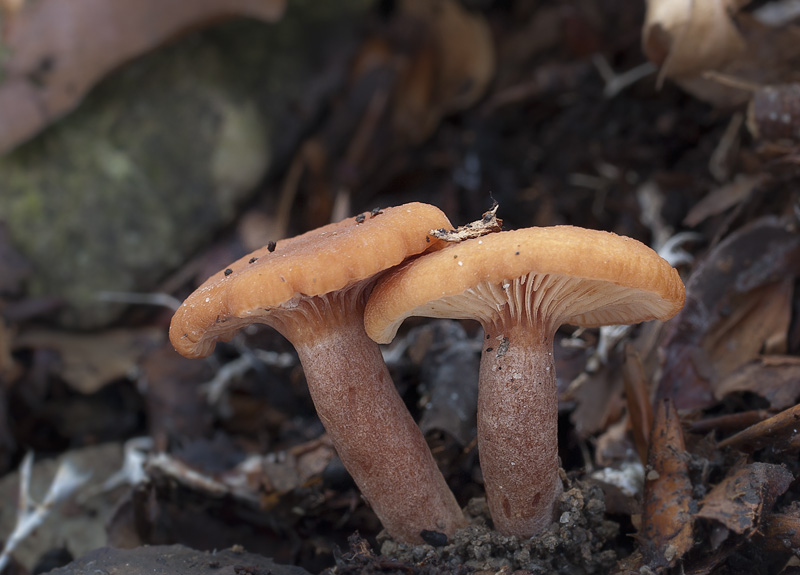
(375, 436)
(518, 427)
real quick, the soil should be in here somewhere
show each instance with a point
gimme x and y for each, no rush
(581, 541)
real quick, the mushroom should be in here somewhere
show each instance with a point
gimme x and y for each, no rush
(312, 289)
(521, 286)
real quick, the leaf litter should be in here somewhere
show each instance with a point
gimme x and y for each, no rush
(679, 442)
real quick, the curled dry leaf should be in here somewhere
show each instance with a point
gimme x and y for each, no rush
(687, 37)
(737, 301)
(745, 496)
(690, 38)
(59, 50)
(667, 521)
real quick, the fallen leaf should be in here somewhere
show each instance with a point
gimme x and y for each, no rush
(176, 410)
(449, 363)
(776, 378)
(737, 300)
(774, 113)
(740, 501)
(723, 198)
(58, 50)
(690, 39)
(687, 37)
(90, 361)
(781, 531)
(451, 71)
(667, 521)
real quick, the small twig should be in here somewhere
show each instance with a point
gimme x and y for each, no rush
(215, 389)
(671, 250)
(160, 299)
(616, 83)
(132, 471)
(30, 514)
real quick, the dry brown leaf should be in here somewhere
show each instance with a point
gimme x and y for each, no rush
(90, 361)
(771, 58)
(738, 301)
(58, 50)
(723, 198)
(450, 73)
(688, 37)
(774, 377)
(740, 501)
(759, 319)
(667, 521)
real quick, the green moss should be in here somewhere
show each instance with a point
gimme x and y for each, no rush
(159, 155)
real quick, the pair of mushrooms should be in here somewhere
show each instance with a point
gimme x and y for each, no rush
(329, 292)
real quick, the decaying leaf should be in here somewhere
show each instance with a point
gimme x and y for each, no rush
(59, 50)
(774, 113)
(740, 501)
(687, 37)
(450, 73)
(176, 410)
(258, 480)
(774, 377)
(449, 363)
(737, 301)
(489, 223)
(779, 432)
(781, 531)
(90, 361)
(723, 198)
(667, 521)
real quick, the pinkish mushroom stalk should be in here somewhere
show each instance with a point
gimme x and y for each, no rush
(521, 286)
(313, 289)
(376, 438)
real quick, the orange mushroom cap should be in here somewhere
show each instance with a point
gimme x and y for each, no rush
(274, 278)
(562, 274)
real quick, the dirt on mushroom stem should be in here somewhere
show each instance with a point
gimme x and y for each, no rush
(580, 541)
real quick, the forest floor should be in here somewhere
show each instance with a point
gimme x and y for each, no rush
(558, 116)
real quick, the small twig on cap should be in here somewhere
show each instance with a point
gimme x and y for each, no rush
(488, 224)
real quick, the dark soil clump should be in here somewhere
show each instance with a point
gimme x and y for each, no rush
(578, 542)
